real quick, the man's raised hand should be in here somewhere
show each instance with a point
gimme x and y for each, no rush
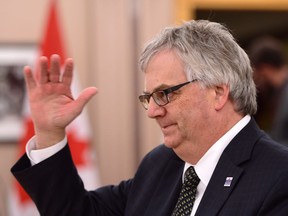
(52, 105)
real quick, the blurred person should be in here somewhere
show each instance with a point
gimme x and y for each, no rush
(214, 161)
(271, 77)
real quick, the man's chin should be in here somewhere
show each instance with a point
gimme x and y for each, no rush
(170, 143)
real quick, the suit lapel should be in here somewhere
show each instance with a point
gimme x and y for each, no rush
(238, 151)
(216, 193)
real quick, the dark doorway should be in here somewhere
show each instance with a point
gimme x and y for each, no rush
(249, 24)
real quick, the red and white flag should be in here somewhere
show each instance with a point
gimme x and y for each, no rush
(78, 131)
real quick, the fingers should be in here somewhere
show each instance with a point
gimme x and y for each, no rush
(43, 75)
(49, 75)
(68, 72)
(55, 67)
(30, 82)
(53, 74)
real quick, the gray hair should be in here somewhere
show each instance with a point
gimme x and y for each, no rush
(212, 56)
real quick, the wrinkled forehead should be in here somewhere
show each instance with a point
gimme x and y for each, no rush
(164, 68)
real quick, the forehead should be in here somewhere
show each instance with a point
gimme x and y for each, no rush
(164, 68)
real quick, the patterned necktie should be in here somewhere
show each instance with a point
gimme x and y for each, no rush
(188, 193)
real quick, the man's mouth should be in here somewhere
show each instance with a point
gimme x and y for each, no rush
(167, 127)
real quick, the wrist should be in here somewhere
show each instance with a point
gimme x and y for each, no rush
(47, 138)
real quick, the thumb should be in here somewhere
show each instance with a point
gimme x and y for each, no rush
(85, 96)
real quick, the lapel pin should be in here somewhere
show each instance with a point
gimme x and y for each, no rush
(228, 181)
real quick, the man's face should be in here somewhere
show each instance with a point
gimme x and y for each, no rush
(184, 120)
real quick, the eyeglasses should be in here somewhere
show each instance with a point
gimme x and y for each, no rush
(160, 97)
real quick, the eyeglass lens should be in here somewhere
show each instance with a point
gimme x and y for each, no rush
(160, 98)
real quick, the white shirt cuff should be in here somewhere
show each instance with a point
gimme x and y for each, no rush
(37, 156)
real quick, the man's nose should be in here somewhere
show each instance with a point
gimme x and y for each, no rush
(154, 110)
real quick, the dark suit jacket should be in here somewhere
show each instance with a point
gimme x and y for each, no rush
(258, 165)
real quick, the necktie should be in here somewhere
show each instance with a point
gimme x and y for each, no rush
(188, 193)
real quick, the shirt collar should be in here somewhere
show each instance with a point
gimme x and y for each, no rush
(206, 165)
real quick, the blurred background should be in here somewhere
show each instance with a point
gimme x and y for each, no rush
(105, 37)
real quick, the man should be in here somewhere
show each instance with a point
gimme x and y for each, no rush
(200, 90)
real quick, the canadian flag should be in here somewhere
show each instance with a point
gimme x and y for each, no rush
(78, 131)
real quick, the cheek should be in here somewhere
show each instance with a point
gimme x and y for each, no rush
(194, 113)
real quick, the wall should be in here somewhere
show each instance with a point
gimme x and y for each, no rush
(122, 132)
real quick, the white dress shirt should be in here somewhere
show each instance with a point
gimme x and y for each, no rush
(36, 156)
(204, 168)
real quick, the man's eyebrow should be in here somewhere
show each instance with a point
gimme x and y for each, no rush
(158, 88)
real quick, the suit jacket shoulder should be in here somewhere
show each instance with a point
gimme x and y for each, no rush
(258, 167)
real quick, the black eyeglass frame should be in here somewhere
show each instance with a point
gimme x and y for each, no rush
(145, 98)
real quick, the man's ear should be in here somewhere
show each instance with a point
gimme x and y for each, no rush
(221, 96)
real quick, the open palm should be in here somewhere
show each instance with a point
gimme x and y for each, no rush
(51, 102)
